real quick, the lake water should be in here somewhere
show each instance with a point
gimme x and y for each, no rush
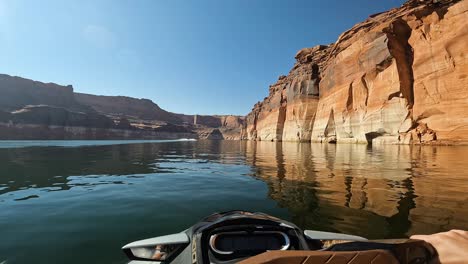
(80, 201)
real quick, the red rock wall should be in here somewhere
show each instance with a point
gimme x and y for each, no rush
(398, 77)
(288, 112)
(440, 69)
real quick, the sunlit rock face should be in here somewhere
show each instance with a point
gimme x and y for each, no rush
(288, 112)
(361, 95)
(400, 77)
(439, 38)
(266, 121)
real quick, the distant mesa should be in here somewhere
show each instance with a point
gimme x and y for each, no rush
(36, 110)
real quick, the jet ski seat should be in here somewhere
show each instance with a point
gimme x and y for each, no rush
(322, 257)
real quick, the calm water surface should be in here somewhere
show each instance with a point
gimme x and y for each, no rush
(80, 201)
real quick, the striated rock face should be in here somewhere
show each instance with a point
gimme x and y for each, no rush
(398, 77)
(289, 110)
(440, 69)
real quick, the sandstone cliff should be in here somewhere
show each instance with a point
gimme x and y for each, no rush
(398, 77)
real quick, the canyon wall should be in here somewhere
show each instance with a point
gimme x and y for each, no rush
(288, 112)
(398, 77)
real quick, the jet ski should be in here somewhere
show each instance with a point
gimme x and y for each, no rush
(248, 237)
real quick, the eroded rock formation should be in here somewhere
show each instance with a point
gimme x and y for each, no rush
(398, 77)
(288, 112)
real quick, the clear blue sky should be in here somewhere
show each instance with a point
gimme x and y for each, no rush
(203, 56)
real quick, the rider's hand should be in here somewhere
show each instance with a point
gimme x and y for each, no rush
(451, 246)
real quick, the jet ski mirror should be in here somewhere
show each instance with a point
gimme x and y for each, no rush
(161, 248)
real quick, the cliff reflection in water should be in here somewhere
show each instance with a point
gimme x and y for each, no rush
(380, 191)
